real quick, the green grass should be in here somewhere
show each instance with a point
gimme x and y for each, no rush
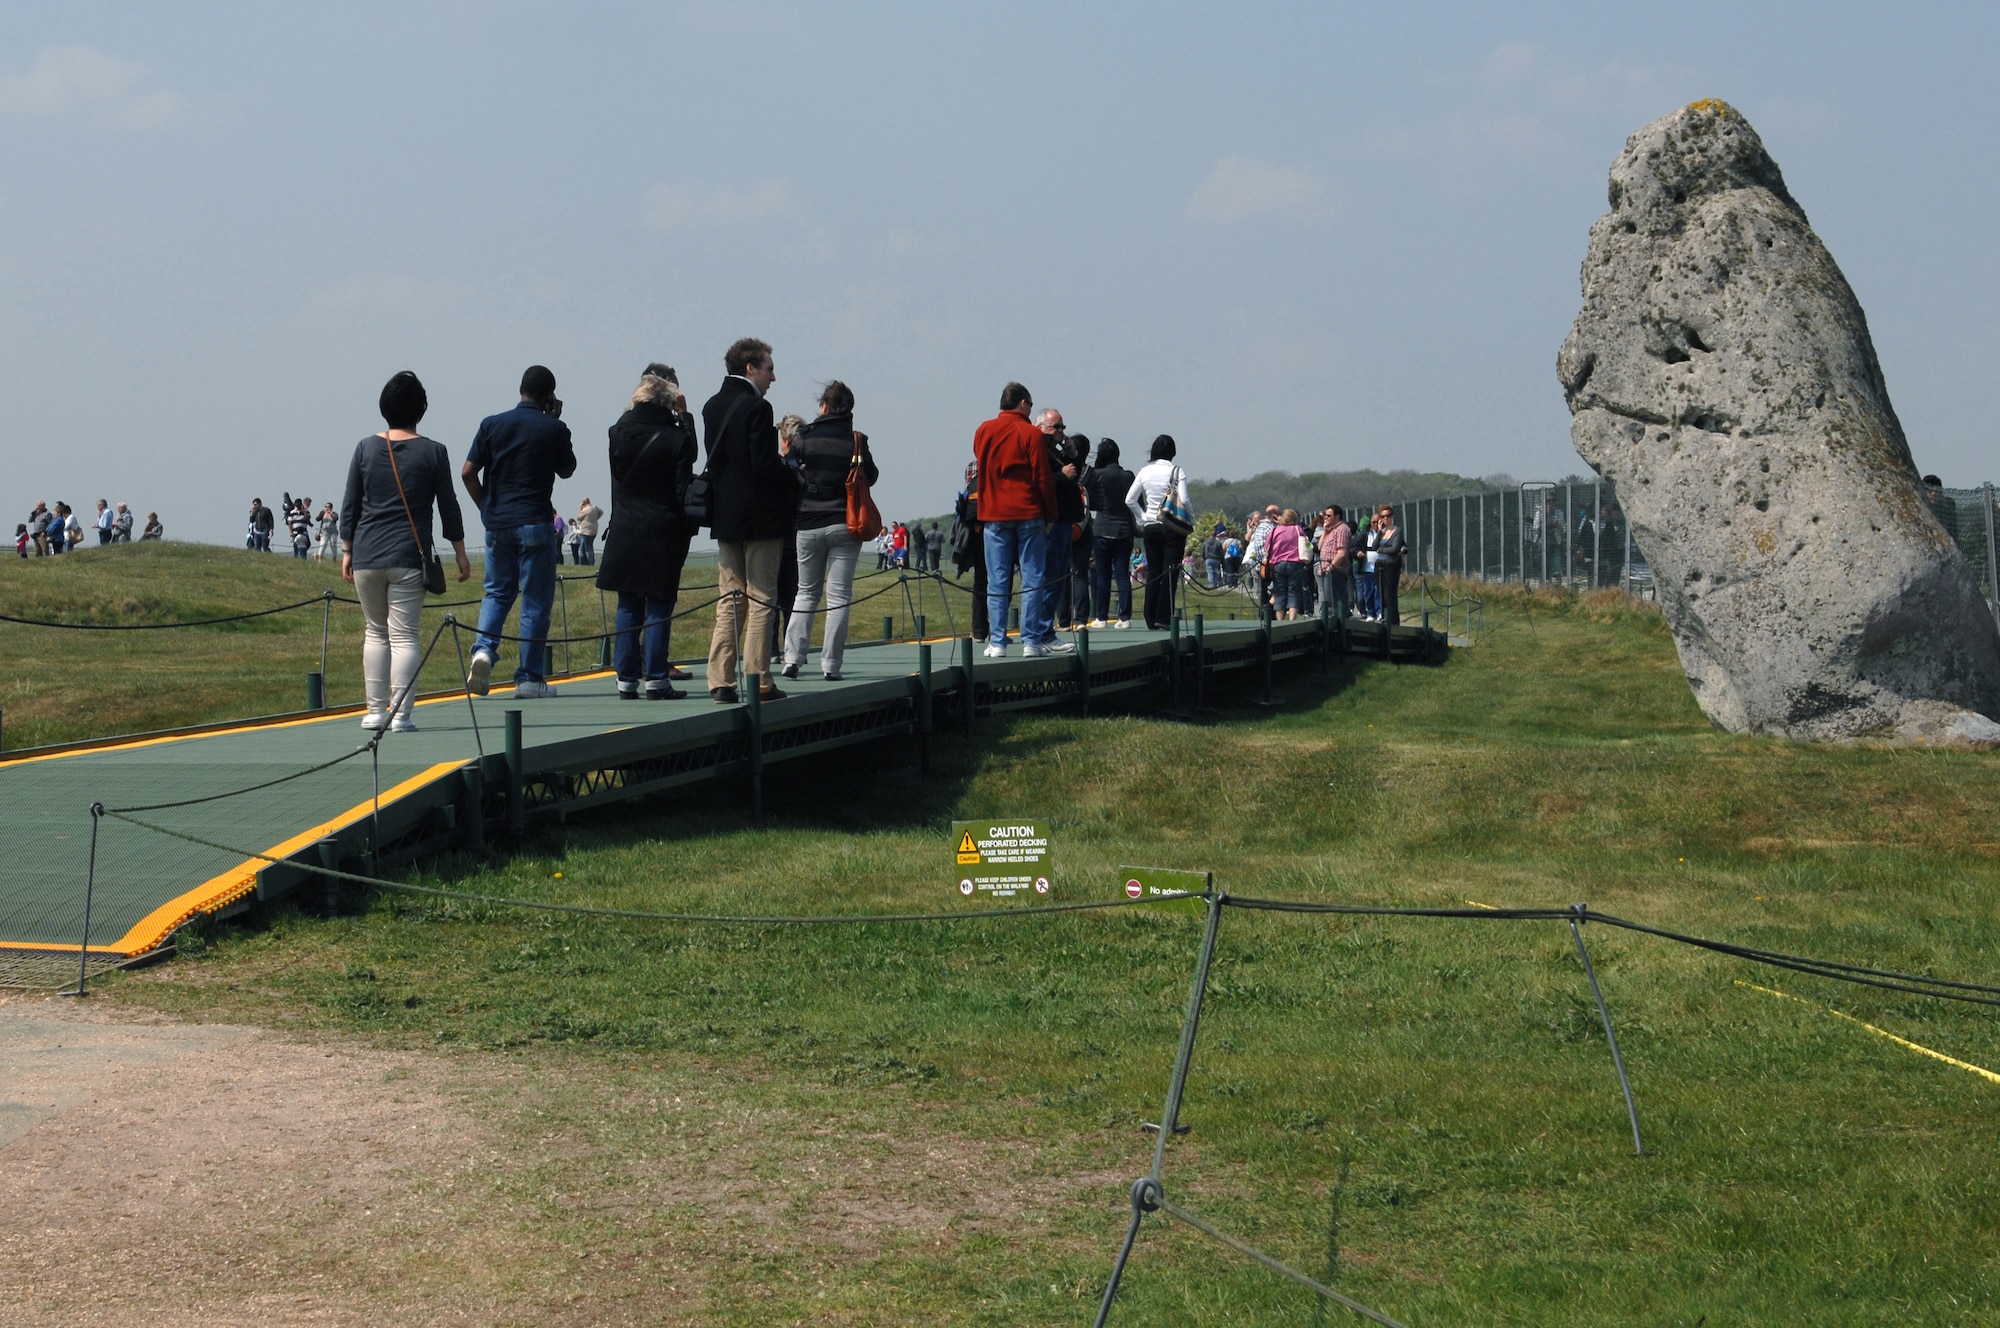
(63, 686)
(1421, 1112)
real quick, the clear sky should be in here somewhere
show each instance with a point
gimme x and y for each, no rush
(1302, 236)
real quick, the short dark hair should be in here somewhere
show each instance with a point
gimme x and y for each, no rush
(537, 383)
(1934, 481)
(744, 352)
(403, 401)
(1163, 447)
(1014, 396)
(1107, 452)
(838, 398)
(1339, 511)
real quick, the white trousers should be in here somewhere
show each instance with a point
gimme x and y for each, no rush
(392, 606)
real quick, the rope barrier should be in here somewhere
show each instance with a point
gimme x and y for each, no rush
(648, 915)
(167, 626)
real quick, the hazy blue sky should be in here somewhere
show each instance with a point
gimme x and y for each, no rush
(1301, 236)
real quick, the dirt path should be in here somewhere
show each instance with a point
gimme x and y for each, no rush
(220, 1175)
(217, 1175)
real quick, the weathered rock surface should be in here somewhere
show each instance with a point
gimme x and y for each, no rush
(1722, 377)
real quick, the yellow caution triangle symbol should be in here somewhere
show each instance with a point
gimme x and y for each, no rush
(966, 845)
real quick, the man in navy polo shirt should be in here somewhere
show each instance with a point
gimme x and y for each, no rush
(511, 474)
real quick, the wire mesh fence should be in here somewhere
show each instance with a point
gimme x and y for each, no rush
(1575, 535)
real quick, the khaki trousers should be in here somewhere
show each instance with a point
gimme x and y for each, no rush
(747, 580)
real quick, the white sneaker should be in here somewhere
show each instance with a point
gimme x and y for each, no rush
(1096, 624)
(1122, 624)
(478, 677)
(996, 652)
(374, 719)
(1052, 648)
(531, 690)
(401, 725)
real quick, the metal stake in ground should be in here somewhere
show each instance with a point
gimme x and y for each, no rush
(753, 687)
(1146, 1192)
(89, 888)
(1578, 913)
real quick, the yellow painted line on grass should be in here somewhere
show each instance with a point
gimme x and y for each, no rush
(1476, 904)
(223, 890)
(1920, 1049)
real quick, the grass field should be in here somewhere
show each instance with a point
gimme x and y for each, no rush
(1421, 1112)
(61, 686)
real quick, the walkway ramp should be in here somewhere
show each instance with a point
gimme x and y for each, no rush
(452, 783)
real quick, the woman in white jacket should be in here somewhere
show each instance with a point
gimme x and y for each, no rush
(1164, 547)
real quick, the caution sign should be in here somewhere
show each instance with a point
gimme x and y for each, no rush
(1002, 859)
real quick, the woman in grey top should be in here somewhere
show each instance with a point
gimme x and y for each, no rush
(1389, 551)
(396, 478)
(824, 451)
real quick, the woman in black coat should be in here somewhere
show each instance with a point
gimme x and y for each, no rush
(653, 449)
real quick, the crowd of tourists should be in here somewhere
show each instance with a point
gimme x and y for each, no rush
(1291, 567)
(55, 528)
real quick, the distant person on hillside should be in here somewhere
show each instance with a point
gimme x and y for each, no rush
(1232, 559)
(1017, 507)
(39, 522)
(919, 552)
(262, 522)
(1211, 555)
(21, 539)
(825, 451)
(1943, 506)
(68, 527)
(394, 481)
(511, 472)
(1111, 536)
(653, 452)
(1257, 532)
(121, 526)
(327, 526)
(583, 532)
(154, 530)
(936, 548)
(103, 521)
(298, 524)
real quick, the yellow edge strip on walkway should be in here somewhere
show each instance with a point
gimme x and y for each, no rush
(228, 730)
(224, 890)
(1921, 1050)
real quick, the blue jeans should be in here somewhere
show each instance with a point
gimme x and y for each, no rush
(1112, 563)
(520, 561)
(644, 627)
(1024, 544)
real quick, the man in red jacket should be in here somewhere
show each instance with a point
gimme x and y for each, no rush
(1017, 503)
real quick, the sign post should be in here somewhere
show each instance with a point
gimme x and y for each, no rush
(999, 859)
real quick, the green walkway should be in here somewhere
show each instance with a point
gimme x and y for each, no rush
(449, 784)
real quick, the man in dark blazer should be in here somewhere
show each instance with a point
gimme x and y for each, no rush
(751, 499)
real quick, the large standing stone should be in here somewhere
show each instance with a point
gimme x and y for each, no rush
(1721, 377)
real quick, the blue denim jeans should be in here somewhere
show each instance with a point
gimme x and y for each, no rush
(520, 562)
(644, 627)
(1112, 564)
(1022, 544)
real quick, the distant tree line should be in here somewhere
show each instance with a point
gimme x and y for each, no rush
(1315, 490)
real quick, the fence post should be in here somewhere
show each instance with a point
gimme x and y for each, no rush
(315, 691)
(1174, 660)
(1625, 520)
(924, 712)
(969, 693)
(1083, 666)
(753, 687)
(1200, 661)
(1596, 529)
(517, 810)
(1992, 572)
